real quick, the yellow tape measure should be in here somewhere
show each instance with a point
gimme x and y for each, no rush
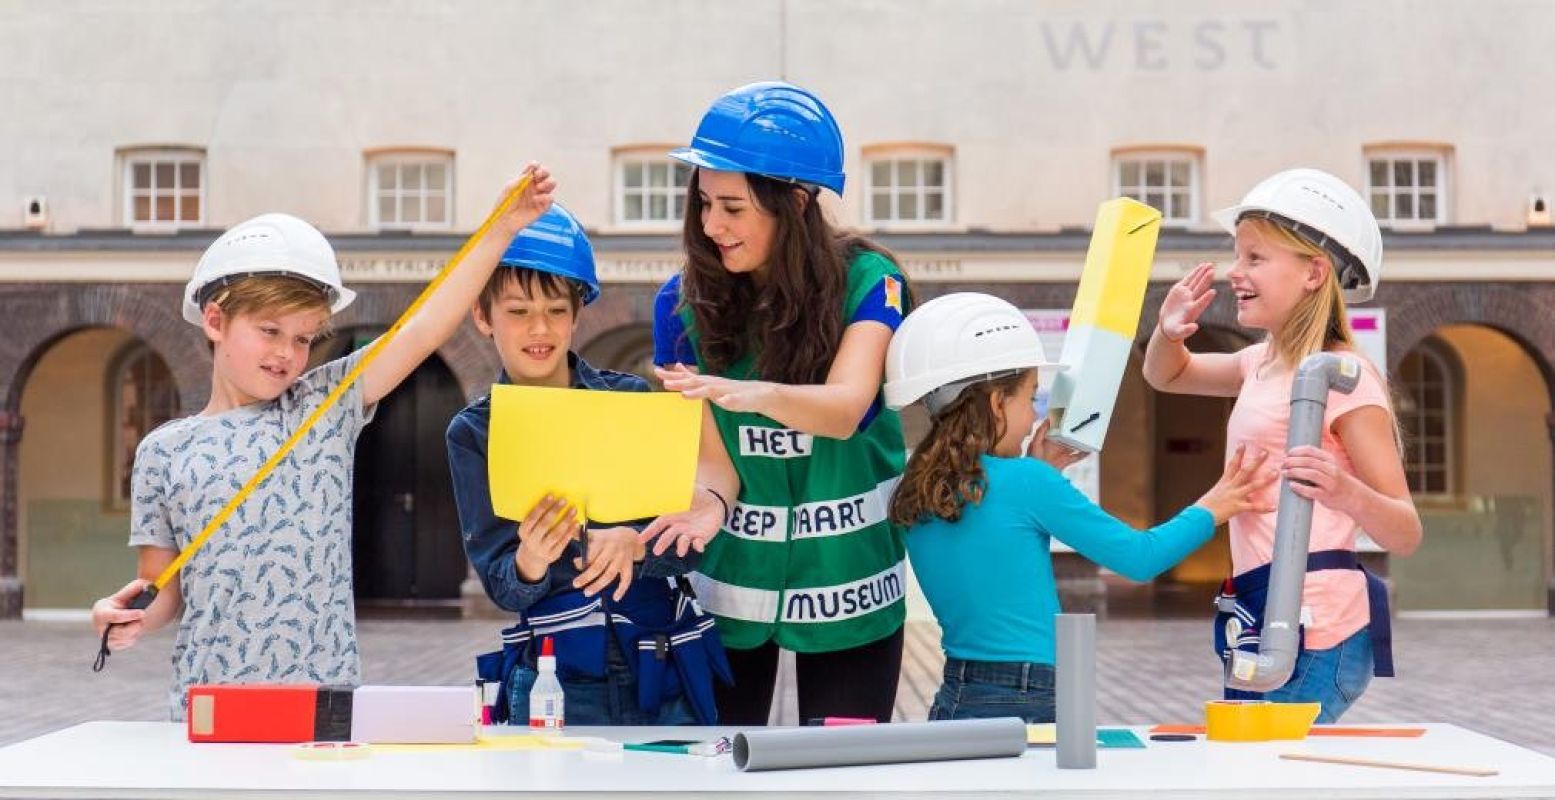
(148, 594)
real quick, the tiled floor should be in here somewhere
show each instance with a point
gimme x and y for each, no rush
(1495, 676)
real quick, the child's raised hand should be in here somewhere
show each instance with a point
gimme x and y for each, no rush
(531, 203)
(1241, 487)
(612, 552)
(1060, 456)
(113, 610)
(543, 536)
(1186, 301)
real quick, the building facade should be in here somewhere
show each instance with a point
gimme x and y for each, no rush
(981, 137)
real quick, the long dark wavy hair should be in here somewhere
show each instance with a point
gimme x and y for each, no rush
(793, 321)
(944, 473)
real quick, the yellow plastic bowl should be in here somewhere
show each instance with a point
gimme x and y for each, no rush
(1292, 720)
(1236, 720)
(1257, 720)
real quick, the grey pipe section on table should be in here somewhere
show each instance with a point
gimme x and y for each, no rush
(1280, 637)
(893, 743)
(1075, 691)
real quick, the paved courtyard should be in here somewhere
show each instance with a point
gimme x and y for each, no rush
(1494, 676)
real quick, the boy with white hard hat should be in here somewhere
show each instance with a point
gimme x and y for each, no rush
(270, 599)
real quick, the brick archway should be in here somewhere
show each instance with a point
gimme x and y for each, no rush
(1521, 312)
(39, 316)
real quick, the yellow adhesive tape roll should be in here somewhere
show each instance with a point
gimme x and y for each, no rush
(1257, 720)
(332, 751)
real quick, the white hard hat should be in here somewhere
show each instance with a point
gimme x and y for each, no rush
(269, 244)
(954, 341)
(1325, 210)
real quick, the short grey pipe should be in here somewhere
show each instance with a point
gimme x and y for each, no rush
(1280, 637)
(1075, 692)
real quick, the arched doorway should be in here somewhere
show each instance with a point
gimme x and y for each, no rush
(1188, 453)
(628, 348)
(88, 401)
(1474, 408)
(405, 540)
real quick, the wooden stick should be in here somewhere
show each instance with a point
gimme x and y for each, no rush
(1366, 762)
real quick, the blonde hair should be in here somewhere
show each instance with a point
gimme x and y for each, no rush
(274, 294)
(1319, 321)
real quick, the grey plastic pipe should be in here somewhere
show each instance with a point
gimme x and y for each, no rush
(1075, 691)
(1280, 639)
(893, 743)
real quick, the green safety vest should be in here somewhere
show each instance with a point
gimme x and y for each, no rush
(808, 556)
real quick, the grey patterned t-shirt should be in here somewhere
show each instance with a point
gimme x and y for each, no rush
(268, 599)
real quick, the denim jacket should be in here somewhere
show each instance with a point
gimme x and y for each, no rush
(491, 542)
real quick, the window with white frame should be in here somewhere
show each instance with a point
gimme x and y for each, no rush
(1167, 182)
(142, 396)
(650, 190)
(410, 191)
(164, 187)
(1407, 187)
(907, 188)
(1427, 413)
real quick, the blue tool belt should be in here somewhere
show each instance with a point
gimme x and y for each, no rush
(671, 646)
(1241, 608)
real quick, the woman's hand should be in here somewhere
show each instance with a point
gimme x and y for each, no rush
(687, 530)
(726, 393)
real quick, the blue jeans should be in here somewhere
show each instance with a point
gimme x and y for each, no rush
(1335, 677)
(591, 701)
(983, 689)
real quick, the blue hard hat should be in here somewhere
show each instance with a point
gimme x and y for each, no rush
(772, 128)
(556, 243)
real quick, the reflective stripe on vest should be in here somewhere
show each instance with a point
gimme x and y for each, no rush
(849, 514)
(819, 518)
(814, 604)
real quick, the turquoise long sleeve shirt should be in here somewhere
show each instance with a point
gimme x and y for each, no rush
(989, 575)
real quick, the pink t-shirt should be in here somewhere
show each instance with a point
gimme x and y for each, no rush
(1261, 416)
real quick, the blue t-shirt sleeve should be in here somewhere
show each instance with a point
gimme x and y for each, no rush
(884, 304)
(671, 342)
(1069, 516)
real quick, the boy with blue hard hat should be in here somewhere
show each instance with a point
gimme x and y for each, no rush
(632, 647)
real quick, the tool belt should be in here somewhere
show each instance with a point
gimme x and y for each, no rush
(669, 643)
(1241, 602)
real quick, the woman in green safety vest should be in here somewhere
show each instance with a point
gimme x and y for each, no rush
(782, 323)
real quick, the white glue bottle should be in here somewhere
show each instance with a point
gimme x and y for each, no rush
(546, 702)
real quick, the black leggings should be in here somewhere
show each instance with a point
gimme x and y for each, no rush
(857, 682)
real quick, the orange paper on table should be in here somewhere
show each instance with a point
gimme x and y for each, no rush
(617, 456)
(1318, 730)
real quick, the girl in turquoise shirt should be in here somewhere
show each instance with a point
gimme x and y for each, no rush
(983, 497)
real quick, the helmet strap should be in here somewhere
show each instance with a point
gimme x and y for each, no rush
(938, 400)
(209, 291)
(1347, 268)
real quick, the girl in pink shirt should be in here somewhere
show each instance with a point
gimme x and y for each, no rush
(1305, 244)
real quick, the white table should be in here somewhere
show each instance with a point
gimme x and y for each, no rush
(148, 759)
